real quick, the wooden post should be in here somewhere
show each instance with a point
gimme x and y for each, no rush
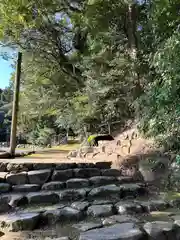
(15, 105)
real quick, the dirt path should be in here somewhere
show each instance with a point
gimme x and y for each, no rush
(113, 152)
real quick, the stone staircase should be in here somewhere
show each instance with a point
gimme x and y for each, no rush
(92, 200)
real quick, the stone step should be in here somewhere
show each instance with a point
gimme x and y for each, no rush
(39, 182)
(95, 230)
(21, 167)
(72, 194)
(103, 214)
(46, 175)
(132, 231)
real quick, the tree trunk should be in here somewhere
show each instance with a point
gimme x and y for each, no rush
(109, 128)
(131, 31)
(133, 46)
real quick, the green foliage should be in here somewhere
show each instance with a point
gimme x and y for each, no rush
(90, 62)
(41, 136)
(5, 113)
(161, 113)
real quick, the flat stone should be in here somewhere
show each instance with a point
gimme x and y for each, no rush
(77, 183)
(153, 205)
(43, 197)
(81, 206)
(50, 216)
(132, 189)
(103, 165)
(65, 166)
(72, 194)
(17, 200)
(86, 172)
(53, 186)
(86, 226)
(43, 166)
(101, 210)
(3, 176)
(119, 219)
(128, 208)
(3, 167)
(80, 173)
(111, 172)
(39, 176)
(160, 230)
(85, 165)
(124, 231)
(62, 175)
(5, 187)
(92, 172)
(70, 214)
(19, 167)
(104, 191)
(102, 180)
(17, 178)
(64, 214)
(26, 188)
(19, 221)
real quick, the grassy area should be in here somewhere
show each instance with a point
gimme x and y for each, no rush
(67, 147)
(63, 148)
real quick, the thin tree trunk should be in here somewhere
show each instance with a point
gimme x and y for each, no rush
(133, 46)
(131, 30)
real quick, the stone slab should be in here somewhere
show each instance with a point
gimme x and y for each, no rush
(17, 178)
(82, 206)
(54, 186)
(86, 172)
(42, 197)
(77, 183)
(124, 231)
(62, 175)
(72, 194)
(104, 191)
(101, 210)
(39, 176)
(19, 221)
(102, 180)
